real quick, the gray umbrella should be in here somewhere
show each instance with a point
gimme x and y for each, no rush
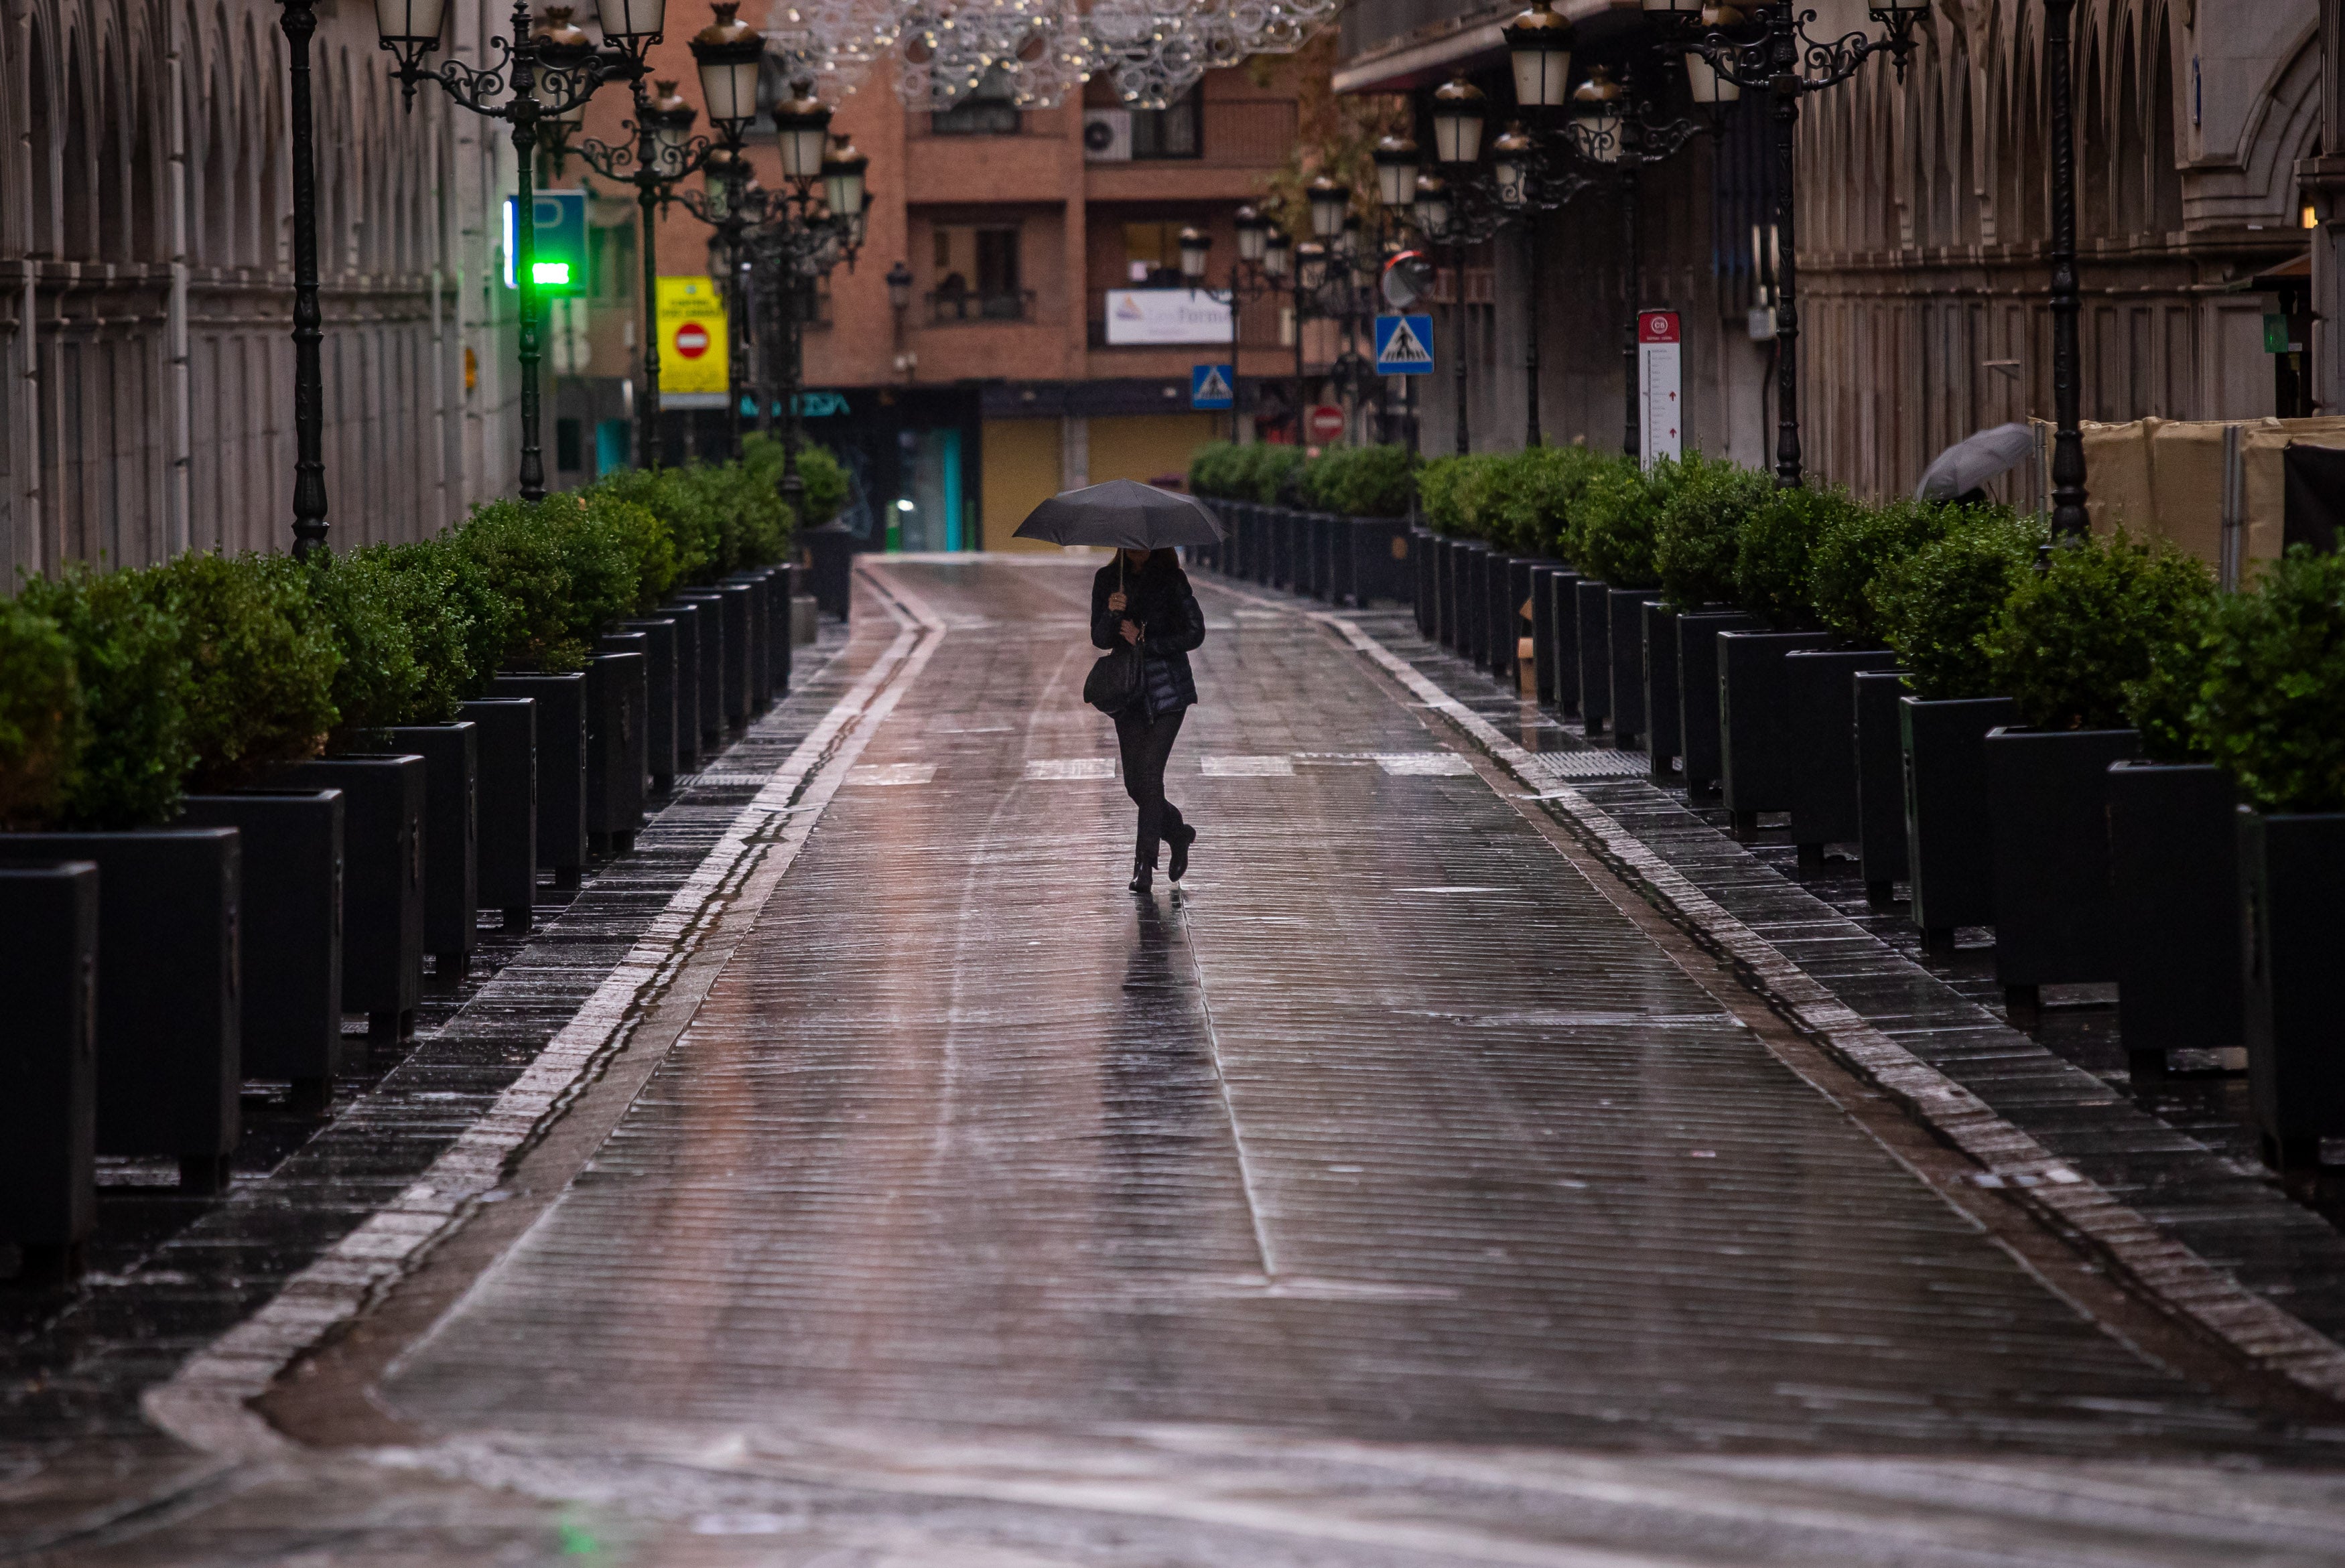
(1974, 460)
(1124, 513)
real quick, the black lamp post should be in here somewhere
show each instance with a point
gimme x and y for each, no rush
(538, 77)
(2069, 519)
(299, 20)
(1786, 62)
(1613, 131)
(664, 152)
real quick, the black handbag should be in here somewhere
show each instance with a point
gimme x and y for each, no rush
(1115, 683)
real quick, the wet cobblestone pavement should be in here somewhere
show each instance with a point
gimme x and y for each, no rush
(1400, 1192)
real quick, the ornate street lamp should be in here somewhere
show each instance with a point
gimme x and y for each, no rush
(1785, 62)
(1396, 162)
(299, 21)
(2069, 520)
(665, 151)
(1459, 107)
(537, 77)
(1330, 203)
(1538, 48)
(1253, 236)
(1194, 247)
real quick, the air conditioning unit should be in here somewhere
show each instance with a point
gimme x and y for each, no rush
(1107, 136)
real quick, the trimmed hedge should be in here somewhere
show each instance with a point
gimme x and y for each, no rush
(1937, 605)
(120, 690)
(2074, 636)
(1359, 482)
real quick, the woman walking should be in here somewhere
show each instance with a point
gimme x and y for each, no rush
(1143, 597)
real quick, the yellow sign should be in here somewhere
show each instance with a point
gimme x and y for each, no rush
(692, 351)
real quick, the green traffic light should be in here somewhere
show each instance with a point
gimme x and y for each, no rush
(550, 274)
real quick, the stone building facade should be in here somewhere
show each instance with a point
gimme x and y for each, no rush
(145, 285)
(1924, 213)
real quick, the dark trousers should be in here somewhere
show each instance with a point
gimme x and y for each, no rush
(1146, 744)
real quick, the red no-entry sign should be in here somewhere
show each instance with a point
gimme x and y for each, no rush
(1325, 423)
(692, 340)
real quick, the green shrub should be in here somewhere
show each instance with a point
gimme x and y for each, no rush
(1359, 482)
(2073, 637)
(42, 722)
(1699, 531)
(823, 479)
(1214, 471)
(1529, 495)
(1858, 544)
(1451, 491)
(690, 513)
(378, 679)
(1270, 473)
(2256, 683)
(460, 622)
(649, 547)
(1936, 605)
(133, 682)
(753, 520)
(1771, 552)
(559, 577)
(262, 662)
(1610, 531)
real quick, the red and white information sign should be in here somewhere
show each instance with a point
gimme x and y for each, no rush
(1658, 390)
(692, 340)
(1324, 422)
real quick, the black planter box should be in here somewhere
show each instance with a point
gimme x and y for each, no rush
(1881, 782)
(2291, 867)
(1318, 563)
(1282, 549)
(1381, 553)
(289, 932)
(1664, 707)
(1543, 630)
(708, 616)
(1424, 560)
(170, 1007)
(1499, 606)
(49, 1074)
(740, 654)
(829, 559)
(1521, 604)
(756, 619)
(1624, 614)
(1446, 557)
(1949, 835)
(1698, 741)
(2174, 874)
(452, 841)
(1561, 680)
(504, 818)
(659, 647)
(781, 623)
(2055, 921)
(1269, 547)
(1758, 756)
(1474, 603)
(561, 769)
(384, 848)
(616, 772)
(1594, 615)
(1821, 684)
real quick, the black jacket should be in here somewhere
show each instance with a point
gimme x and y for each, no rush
(1170, 619)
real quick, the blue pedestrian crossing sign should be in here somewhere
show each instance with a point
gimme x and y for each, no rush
(1403, 345)
(1212, 386)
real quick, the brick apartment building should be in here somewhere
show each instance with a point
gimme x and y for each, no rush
(1003, 381)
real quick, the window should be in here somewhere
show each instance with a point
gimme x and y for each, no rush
(976, 267)
(1176, 131)
(1151, 255)
(986, 110)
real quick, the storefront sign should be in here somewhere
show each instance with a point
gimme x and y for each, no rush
(1140, 316)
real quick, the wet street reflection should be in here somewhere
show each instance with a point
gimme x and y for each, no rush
(1388, 1126)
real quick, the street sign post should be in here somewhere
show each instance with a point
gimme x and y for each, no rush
(1325, 423)
(692, 354)
(1213, 387)
(558, 243)
(1658, 385)
(1403, 345)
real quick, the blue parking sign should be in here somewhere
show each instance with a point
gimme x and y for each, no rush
(1212, 386)
(1403, 345)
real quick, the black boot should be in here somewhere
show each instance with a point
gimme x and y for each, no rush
(1181, 842)
(1142, 877)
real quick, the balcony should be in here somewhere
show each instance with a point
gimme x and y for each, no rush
(954, 307)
